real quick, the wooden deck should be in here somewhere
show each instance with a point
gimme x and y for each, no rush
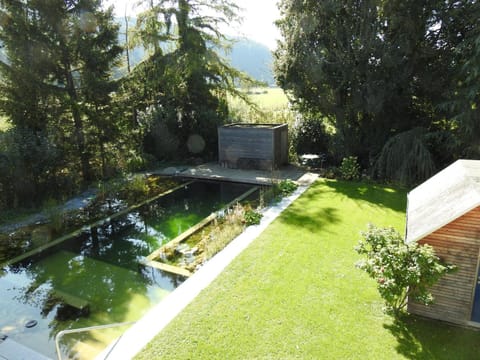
(213, 171)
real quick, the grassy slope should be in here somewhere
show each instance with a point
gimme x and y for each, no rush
(295, 293)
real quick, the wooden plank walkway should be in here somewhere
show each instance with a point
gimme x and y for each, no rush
(168, 268)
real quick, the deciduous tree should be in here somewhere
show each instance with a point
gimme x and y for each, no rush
(376, 69)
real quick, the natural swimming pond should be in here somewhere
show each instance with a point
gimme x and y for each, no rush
(95, 278)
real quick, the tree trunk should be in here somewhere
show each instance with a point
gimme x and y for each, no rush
(104, 159)
(79, 128)
(127, 53)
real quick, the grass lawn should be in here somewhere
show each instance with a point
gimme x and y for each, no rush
(295, 293)
(268, 99)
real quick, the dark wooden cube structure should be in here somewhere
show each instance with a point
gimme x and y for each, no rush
(253, 146)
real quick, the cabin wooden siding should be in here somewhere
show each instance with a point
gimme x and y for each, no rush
(250, 147)
(456, 243)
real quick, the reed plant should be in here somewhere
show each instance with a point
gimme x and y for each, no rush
(224, 230)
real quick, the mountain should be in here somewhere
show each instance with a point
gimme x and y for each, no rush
(253, 58)
(246, 55)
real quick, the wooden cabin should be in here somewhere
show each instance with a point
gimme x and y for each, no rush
(444, 212)
(253, 146)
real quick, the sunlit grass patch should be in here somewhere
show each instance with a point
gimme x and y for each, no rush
(267, 99)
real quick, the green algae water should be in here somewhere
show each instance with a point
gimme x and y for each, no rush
(95, 278)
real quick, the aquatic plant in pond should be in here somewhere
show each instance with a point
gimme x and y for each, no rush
(190, 251)
(252, 217)
(223, 232)
(206, 242)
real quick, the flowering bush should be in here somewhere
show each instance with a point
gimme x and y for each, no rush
(349, 169)
(401, 270)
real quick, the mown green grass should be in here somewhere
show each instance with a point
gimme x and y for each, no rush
(267, 99)
(271, 107)
(270, 98)
(295, 293)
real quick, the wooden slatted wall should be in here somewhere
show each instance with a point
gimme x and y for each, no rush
(456, 243)
(250, 146)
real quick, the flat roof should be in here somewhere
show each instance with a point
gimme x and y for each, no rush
(252, 125)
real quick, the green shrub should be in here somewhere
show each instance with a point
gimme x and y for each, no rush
(276, 191)
(349, 169)
(310, 137)
(330, 173)
(406, 158)
(135, 162)
(286, 187)
(401, 270)
(252, 217)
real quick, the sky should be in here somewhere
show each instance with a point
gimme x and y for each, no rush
(258, 23)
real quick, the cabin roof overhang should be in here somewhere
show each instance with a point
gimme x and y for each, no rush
(448, 195)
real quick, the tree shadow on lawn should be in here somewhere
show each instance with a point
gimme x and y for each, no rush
(420, 338)
(395, 199)
(311, 221)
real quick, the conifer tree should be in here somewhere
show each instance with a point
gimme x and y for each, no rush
(184, 79)
(57, 74)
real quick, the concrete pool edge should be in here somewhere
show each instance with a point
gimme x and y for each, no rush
(144, 330)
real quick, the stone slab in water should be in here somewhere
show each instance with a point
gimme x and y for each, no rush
(11, 350)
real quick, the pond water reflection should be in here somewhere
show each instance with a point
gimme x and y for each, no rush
(95, 278)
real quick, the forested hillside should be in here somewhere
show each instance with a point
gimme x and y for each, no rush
(253, 58)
